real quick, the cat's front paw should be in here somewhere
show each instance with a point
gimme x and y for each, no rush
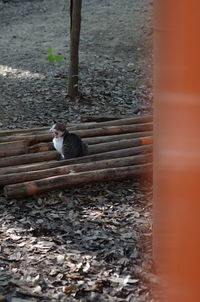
(59, 157)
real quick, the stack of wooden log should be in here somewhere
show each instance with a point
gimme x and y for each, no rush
(118, 149)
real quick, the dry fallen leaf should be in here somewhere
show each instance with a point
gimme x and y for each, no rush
(74, 276)
(69, 289)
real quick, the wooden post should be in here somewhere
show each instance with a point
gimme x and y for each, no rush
(75, 15)
(177, 149)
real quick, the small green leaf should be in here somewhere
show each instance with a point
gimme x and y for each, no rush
(49, 50)
(51, 59)
(58, 58)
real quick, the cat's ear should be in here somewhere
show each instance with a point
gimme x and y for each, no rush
(63, 126)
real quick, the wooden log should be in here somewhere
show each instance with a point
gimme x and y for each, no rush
(61, 182)
(122, 120)
(94, 149)
(18, 144)
(30, 139)
(27, 158)
(110, 130)
(92, 141)
(103, 118)
(83, 167)
(116, 145)
(7, 149)
(13, 148)
(42, 147)
(23, 131)
(35, 130)
(101, 156)
(103, 139)
(126, 121)
(81, 126)
(13, 152)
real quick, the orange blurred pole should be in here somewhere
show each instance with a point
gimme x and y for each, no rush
(176, 245)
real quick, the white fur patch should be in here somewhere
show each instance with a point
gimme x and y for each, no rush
(58, 145)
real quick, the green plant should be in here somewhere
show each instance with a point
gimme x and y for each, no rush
(53, 58)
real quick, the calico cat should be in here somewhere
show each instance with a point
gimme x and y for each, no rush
(69, 145)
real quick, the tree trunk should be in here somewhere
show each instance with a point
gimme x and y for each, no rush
(75, 14)
(83, 167)
(61, 182)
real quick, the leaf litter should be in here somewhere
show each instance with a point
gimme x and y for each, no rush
(93, 250)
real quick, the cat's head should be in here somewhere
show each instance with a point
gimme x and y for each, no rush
(58, 129)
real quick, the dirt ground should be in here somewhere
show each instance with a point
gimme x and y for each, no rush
(91, 243)
(115, 60)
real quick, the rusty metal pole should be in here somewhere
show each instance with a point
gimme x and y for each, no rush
(176, 238)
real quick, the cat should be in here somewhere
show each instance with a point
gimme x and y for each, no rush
(68, 145)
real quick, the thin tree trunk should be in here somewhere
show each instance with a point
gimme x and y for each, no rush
(75, 14)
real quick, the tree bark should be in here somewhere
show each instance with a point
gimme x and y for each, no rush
(42, 147)
(61, 182)
(83, 167)
(30, 139)
(94, 149)
(27, 158)
(102, 118)
(75, 14)
(108, 130)
(112, 130)
(126, 120)
(20, 147)
(123, 144)
(23, 131)
(119, 137)
(119, 122)
(6, 149)
(110, 117)
(84, 159)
